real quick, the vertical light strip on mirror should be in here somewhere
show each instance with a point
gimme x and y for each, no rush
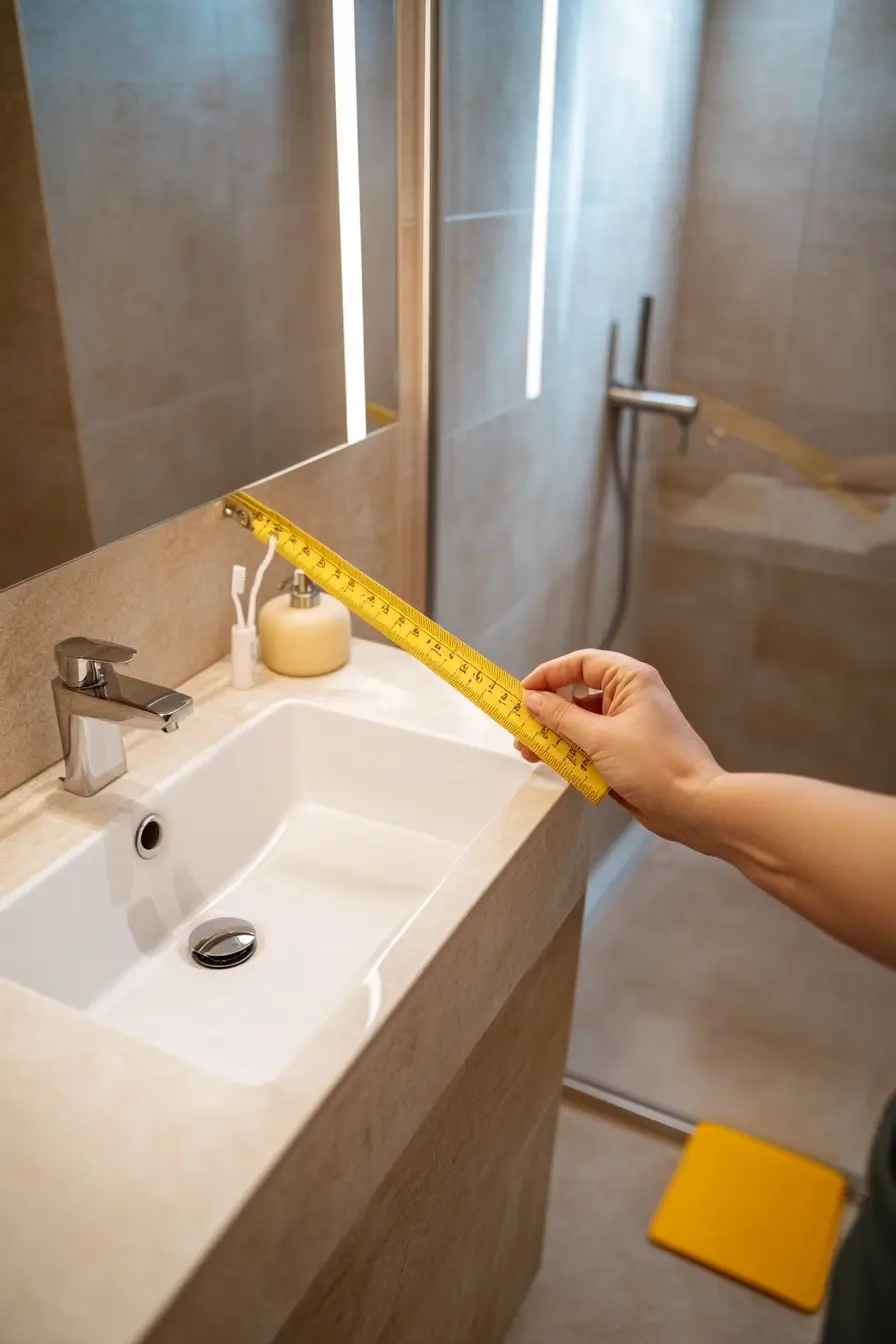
(542, 198)
(345, 81)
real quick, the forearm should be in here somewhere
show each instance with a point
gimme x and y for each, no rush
(827, 852)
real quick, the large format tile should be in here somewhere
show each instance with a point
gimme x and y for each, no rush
(138, 191)
(824, 663)
(630, 46)
(269, 105)
(759, 108)
(490, 480)
(206, 436)
(700, 630)
(116, 41)
(42, 475)
(843, 347)
(602, 1281)
(34, 386)
(701, 993)
(483, 328)
(857, 130)
(739, 263)
(490, 104)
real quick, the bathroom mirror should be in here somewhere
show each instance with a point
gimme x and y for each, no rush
(198, 206)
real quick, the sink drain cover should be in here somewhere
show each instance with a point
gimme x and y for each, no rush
(219, 943)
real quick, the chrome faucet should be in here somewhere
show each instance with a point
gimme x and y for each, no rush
(681, 406)
(94, 703)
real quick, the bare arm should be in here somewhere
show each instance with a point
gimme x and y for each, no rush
(827, 852)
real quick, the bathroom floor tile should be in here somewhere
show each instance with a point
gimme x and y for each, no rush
(602, 1281)
(700, 993)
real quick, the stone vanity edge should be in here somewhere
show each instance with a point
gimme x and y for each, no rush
(135, 1189)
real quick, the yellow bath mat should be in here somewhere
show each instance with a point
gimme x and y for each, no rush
(757, 1213)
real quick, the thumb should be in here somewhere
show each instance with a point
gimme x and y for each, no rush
(579, 725)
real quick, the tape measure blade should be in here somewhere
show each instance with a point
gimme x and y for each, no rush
(492, 689)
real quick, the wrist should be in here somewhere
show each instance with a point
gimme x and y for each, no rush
(697, 793)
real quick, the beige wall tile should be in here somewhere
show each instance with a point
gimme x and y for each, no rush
(137, 183)
(497, 484)
(836, 624)
(34, 386)
(739, 262)
(759, 106)
(42, 473)
(159, 463)
(297, 406)
(46, 517)
(843, 348)
(809, 724)
(700, 635)
(493, 170)
(857, 130)
(630, 45)
(485, 303)
(102, 39)
(749, 13)
(267, 55)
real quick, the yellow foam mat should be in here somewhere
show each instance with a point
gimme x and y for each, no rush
(757, 1213)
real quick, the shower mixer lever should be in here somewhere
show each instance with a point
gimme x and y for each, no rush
(681, 406)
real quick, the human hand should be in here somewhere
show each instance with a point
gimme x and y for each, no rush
(875, 474)
(628, 723)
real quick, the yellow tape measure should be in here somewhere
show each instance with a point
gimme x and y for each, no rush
(482, 682)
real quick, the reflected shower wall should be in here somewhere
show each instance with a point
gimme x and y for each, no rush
(773, 607)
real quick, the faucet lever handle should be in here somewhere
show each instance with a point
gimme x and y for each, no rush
(85, 663)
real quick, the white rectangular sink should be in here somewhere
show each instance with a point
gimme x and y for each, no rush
(326, 831)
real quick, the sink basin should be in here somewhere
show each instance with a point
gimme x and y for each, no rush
(326, 831)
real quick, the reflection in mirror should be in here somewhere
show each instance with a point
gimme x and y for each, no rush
(199, 211)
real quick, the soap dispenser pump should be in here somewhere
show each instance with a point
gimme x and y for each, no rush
(304, 632)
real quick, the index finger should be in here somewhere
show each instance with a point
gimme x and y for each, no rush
(588, 667)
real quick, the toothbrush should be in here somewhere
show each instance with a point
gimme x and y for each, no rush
(256, 583)
(238, 586)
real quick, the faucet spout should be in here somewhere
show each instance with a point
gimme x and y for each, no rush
(680, 405)
(93, 704)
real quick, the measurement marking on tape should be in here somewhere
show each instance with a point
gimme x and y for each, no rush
(481, 681)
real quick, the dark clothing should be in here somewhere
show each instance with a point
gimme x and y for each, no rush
(862, 1304)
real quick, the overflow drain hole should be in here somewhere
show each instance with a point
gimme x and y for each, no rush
(149, 837)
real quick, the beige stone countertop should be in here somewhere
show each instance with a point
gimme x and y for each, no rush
(122, 1165)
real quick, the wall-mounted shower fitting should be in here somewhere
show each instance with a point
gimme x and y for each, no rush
(634, 397)
(681, 406)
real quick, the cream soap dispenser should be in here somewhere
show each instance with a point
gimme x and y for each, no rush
(304, 633)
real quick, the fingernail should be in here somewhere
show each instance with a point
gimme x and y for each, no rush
(533, 701)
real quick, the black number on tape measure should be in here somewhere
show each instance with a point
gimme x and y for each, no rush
(337, 573)
(306, 549)
(463, 668)
(437, 648)
(386, 608)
